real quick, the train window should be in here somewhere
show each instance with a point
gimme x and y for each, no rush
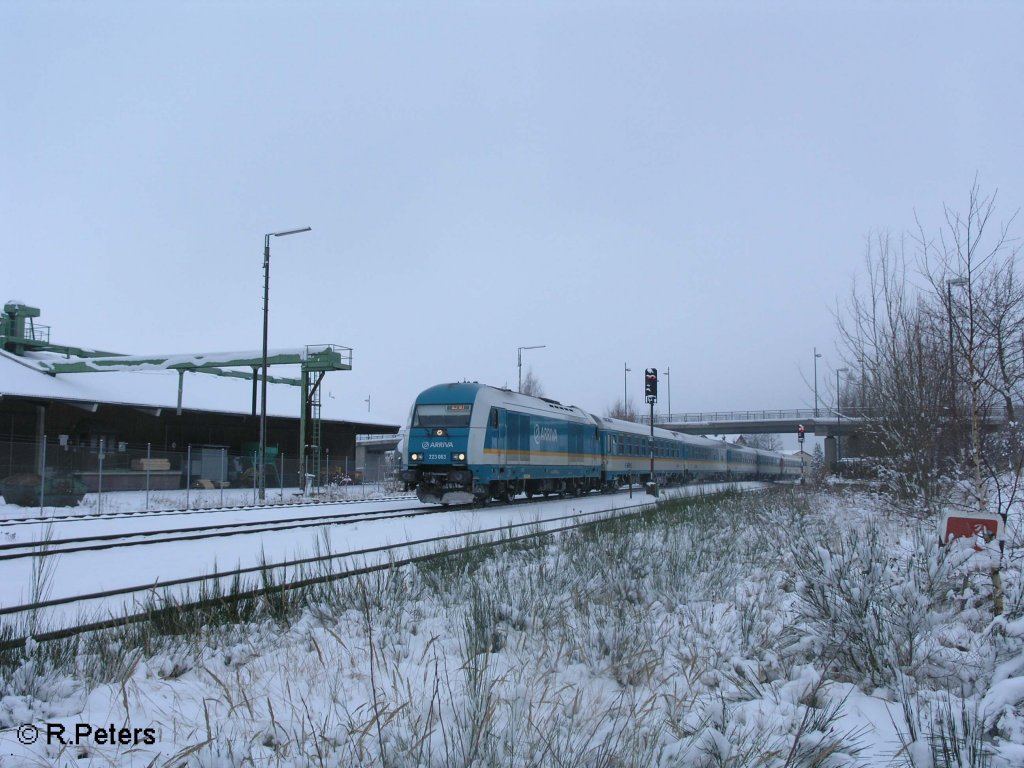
(494, 417)
(446, 415)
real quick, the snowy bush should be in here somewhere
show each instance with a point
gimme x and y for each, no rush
(775, 631)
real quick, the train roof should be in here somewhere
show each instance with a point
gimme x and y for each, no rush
(469, 391)
(460, 392)
(635, 428)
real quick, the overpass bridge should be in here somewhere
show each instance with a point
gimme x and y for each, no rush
(823, 422)
(834, 426)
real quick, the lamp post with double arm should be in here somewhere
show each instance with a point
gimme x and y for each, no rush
(262, 469)
(839, 419)
(817, 354)
(958, 282)
(625, 372)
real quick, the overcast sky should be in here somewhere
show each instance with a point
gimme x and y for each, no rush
(683, 185)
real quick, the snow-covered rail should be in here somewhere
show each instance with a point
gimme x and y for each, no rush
(370, 544)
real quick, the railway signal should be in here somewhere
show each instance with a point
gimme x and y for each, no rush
(651, 391)
(651, 384)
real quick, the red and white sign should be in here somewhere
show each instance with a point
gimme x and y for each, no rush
(955, 525)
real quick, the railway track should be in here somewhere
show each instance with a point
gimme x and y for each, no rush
(98, 542)
(290, 573)
(173, 512)
(385, 554)
(47, 546)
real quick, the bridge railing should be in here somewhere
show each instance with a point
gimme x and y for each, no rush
(709, 416)
(992, 415)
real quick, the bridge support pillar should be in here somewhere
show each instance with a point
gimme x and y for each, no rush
(830, 453)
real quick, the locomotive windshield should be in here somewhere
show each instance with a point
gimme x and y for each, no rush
(448, 415)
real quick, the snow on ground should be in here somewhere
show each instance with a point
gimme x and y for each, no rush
(684, 645)
(152, 564)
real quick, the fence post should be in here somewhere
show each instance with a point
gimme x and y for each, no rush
(188, 477)
(42, 481)
(280, 476)
(149, 457)
(223, 473)
(99, 485)
(255, 472)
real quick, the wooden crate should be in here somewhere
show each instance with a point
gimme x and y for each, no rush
(153, 465)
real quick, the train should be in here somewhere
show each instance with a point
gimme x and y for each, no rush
(468, 442)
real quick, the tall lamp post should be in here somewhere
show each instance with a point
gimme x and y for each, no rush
(262, 471)
(668, 388)
(535, 346)
(817, 354)
(625, 371)
(959, 282)
(839, 419)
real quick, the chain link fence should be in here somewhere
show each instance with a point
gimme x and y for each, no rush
(58, 471)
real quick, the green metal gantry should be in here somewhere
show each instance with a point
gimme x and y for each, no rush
(19, 333)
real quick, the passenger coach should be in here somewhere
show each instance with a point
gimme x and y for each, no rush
(470, 442)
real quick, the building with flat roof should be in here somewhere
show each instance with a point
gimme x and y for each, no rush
(166, 420)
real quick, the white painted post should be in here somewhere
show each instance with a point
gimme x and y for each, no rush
(42, 475)
(188, 476)
(99, 486)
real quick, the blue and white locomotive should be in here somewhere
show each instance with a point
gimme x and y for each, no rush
(470, 442)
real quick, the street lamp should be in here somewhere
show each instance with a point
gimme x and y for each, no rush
(979, 489)
(817, 354)
(668, 387)
(536, 346)
(625, 370)
(263, 385)
(959, 282)
(839, 418)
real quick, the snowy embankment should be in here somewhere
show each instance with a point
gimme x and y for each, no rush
(779, 630)
(151, 568)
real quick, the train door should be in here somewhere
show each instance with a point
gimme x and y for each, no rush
(497, 424)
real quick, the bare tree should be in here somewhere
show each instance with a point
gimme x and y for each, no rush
(940, 354)
(532, 385)
(894, 349)
(767, 442)
(626, 412)
(985, 317)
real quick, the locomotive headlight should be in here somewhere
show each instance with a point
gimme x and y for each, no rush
(458, 456)
(415, 456)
